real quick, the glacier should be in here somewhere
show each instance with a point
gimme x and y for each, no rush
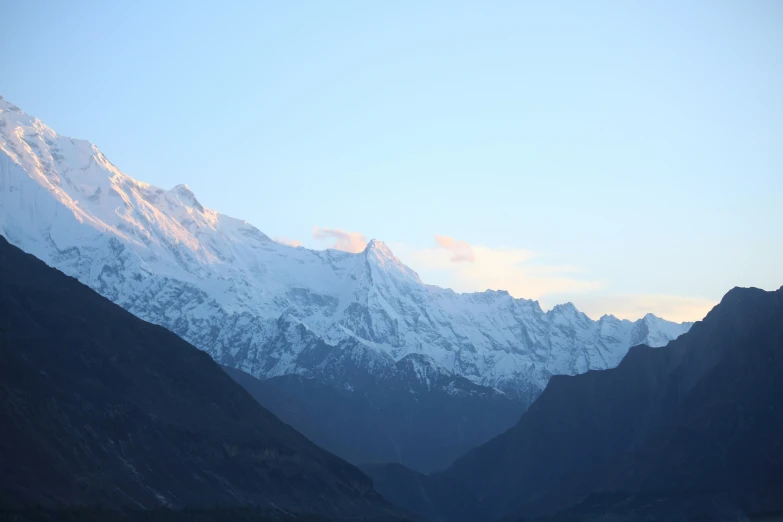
(271, 309)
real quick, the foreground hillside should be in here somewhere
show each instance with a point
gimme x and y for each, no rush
(99, 408)
(692, 432)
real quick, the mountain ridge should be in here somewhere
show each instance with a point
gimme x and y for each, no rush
(222, 284)
(103, 410)
(682, 433)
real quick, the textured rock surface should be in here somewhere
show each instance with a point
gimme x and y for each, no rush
(268, 308)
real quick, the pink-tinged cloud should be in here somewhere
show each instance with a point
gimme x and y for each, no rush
(518, 271)
(347, 241)
(289, 242)
(460, 250)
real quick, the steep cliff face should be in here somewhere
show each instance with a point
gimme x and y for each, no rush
(268, 308)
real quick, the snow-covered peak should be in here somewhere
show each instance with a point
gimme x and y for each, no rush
(269, 308)
(382, 257)
(565, 309)
(380, 248)
(567, 312)
(6, 105)
(660, 331)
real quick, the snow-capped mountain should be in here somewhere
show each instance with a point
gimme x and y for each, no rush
(272, 309)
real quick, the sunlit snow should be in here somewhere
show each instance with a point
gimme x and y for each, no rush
(264, 306)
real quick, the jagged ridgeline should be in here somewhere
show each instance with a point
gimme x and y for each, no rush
(104, 413)
(357, 322)
(258, 305)
(689, 432)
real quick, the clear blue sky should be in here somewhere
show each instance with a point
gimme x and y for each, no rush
(634, 145)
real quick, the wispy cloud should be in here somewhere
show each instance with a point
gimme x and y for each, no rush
(469, 268)
(465, 267)
(342, 240)
(633, 306)
(460, 250)
(524, 273)
(289, 242)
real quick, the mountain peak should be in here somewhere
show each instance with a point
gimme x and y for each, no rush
(379, 249)
(188, 268)
(565, 308)
(8, 106)
(183, 190)
(378, 246)
(738, 301)
(186, 196)
(740, 293)
(381, 256)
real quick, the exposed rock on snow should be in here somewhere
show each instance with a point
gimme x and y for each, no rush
(269, 308)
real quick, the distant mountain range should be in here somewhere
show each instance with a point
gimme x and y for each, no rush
(108, 417)
(692, 432)
(351, 321)
(261, 306)
(103, 412)
(100, 409)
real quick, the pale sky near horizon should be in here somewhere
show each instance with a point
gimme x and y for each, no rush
(626, 156)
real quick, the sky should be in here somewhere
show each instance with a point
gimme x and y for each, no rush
(626, 156)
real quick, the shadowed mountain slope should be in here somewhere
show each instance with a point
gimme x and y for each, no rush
(690, 431)
(98, 407)
(424, 424)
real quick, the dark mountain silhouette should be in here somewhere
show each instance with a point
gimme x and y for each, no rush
(391, 419)
(98, 407)
(691, 431)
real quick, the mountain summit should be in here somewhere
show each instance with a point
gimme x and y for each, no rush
(224, 286)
